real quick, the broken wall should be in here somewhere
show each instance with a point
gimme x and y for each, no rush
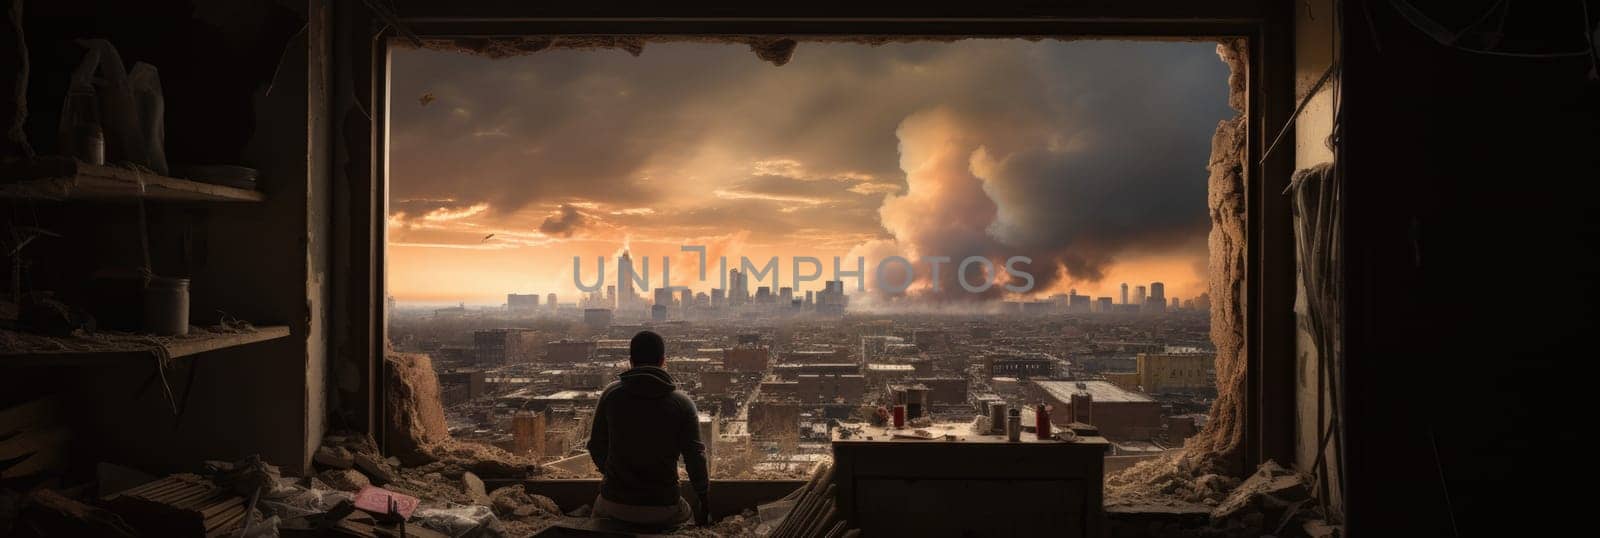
(1222, 438)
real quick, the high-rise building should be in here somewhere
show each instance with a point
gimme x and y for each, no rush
(810, 300)
(1103, 304)
(550, 302)
(832, 300)
(685, 298)
(1124, 293)
(1077, 303)
(1176, 304)
(625, 295)
(520, 303)
(717, 297)
(663, 297)
(1158, 293)
(785, 295)
(764, 295)
(1138, 295)
(737, 292)
(611, 296)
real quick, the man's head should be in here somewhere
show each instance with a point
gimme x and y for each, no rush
(647, 349)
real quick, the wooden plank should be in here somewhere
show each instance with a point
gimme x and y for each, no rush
(175, 348)
(62, 179)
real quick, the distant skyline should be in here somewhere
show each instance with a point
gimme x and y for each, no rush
(1088, 156)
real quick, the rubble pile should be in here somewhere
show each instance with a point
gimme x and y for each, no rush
(1272, 501)
(521, 512)
(1177, 476)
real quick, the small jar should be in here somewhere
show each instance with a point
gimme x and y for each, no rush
(166, 306)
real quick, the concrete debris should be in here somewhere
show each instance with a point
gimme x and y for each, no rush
(486, 461)
(515, 501)
(474, 488)
(349, 480)
(1271, 488)
(1176, 476)
(335, 457)
(375, 468)
(522, 513)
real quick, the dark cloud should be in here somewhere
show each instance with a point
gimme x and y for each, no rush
(567, 221)
(1074, 153)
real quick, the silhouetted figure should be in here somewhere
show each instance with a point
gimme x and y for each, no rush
(642, 424)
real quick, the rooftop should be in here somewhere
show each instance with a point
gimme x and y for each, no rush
(1101, 391)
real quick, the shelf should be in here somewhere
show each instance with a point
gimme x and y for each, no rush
(55, 178)
(111, 348)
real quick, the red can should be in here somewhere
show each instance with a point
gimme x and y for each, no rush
(1042, 422)
(899, 416)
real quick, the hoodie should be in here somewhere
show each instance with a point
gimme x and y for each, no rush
(642, 424)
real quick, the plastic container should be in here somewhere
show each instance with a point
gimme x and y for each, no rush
(166, 306)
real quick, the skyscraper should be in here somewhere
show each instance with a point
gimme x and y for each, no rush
(1138, 295)
(663, 297)
(1158, 293)
(551, 300)
(737, 293)
(625, 294)
(1124, 293)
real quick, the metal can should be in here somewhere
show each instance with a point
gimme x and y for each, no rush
(1014, 425)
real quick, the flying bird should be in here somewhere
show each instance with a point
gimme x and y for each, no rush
(486, 238)
(426, 98)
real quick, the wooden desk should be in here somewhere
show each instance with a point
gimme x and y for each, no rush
(972, 485)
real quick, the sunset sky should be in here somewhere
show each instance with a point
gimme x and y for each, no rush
(1087, 156)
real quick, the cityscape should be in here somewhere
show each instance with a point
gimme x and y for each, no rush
(770, 371)
(546, 208)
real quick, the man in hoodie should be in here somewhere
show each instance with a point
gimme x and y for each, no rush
(642, 424)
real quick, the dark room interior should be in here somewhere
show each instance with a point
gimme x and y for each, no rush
(317, 267)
